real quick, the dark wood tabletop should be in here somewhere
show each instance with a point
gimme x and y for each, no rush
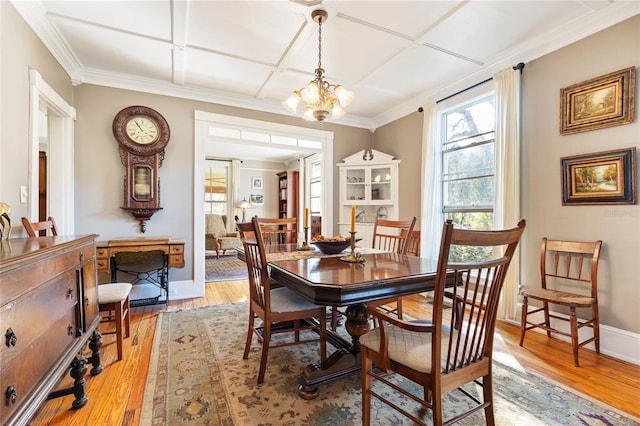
(333, 282)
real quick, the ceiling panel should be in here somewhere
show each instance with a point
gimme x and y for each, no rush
(253, 54)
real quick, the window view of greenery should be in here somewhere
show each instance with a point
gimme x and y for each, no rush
(468, 167)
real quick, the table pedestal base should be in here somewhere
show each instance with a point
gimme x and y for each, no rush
(344, 361)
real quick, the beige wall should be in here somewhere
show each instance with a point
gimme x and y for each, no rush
(402, 139)
(618, 226)
(17, 59)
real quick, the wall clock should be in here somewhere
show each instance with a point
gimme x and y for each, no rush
(142, 134)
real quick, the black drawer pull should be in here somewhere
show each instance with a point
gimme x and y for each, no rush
(81, 256)
(70, 330)
(10, 337)
(10, 395)
(69, 292)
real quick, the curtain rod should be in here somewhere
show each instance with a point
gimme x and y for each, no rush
(518, 67)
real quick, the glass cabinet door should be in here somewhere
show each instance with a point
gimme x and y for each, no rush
(356, 184)
(380, 184)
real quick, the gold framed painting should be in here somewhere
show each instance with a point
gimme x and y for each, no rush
(603, 101)
(607, 177)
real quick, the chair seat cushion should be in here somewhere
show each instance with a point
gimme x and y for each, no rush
(409, 348)
(561, 297)
(114, 292)
(285, 300)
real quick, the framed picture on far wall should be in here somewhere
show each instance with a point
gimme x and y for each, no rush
(603, 101)
(256, 199)
(256, 182)
(607, 177)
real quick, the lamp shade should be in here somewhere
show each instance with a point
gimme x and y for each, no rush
(244, 204)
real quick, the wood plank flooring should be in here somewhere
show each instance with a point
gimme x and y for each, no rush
(115, 396)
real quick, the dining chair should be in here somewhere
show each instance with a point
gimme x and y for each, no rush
(113, 299)
(444, 351)
(565, 266)
(414, 243)
(393, 236)
(279, 230)
(35, 229)
(280, 309)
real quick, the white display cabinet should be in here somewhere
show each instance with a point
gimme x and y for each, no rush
(369, 181)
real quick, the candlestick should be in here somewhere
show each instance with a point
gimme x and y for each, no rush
(353, 257)
(353, 219)
(305, 244)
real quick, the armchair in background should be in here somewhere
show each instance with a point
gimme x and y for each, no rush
(216, 236)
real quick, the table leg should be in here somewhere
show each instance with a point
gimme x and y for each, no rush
(342, 362)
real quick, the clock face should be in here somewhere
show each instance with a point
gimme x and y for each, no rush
(141, 130)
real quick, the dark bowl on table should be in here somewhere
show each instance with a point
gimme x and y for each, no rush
(333, 247)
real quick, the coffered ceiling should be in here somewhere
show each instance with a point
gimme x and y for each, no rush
(394, 55)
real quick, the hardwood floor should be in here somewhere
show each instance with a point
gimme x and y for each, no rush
(115, 396)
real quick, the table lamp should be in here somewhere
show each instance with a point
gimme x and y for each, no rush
(244, 205)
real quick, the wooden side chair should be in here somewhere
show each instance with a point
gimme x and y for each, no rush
(566, 265)
(445, 351)
(414, 243)
(35, 229)
(393, 236)
(279, 230)
(275, 305)
(113, 299)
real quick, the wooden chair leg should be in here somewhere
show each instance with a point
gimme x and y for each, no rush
(127, 317)
(247, 345)
(399, 307)
(266, 338)
(547, 320)
(367, 364)
(596, 327)
(119, 324)
(523, 318)
(574, 335)
(487, 393)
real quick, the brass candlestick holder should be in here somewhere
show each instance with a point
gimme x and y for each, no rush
(353, 257)
(305, 244)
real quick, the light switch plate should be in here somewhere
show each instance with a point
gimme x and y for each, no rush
(23, 194)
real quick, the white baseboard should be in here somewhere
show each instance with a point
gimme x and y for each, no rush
(615, 342)
(186, 289)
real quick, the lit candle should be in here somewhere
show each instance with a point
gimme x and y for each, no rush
(353, 218)
(306, 217)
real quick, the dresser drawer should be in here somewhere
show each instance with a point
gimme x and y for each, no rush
(22, 280)
(35, 361)
(176, 249)
(30, 316)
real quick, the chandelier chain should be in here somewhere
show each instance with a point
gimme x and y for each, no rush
(320, 43)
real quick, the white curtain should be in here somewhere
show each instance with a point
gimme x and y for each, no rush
(432, 217)
(506, 211)
(234, 193)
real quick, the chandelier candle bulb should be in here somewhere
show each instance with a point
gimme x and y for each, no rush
(353, 218)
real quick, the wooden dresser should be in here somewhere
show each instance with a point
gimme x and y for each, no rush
(48, 313)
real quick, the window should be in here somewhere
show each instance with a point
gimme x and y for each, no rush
(215, 187)
(468, 164)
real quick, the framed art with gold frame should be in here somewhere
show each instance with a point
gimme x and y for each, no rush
(607, 177)
(600, 102)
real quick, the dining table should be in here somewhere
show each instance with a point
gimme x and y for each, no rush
(331, 281)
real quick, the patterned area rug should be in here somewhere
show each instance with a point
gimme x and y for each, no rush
(226, 268)
(197, 377)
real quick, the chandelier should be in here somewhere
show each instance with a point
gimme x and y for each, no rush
(319, 96)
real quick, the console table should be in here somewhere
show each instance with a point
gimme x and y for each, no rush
(174, 249)
(48, 312)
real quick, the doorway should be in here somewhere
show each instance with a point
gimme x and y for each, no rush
(246, 133)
